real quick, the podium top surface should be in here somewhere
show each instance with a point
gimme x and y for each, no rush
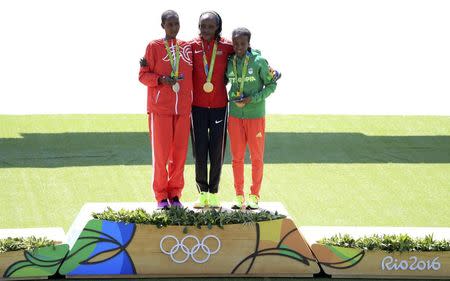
(86, 211)
(51, 233)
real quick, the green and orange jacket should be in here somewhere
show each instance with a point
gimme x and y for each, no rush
(259, 84)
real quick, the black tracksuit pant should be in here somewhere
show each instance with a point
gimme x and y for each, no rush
(208, 135)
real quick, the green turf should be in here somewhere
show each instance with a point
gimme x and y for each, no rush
(326, 170)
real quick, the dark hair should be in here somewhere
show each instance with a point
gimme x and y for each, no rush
(218, 21)
(168, 14)
(241, 31)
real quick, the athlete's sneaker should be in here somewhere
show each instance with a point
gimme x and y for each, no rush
(202, 201)
(213, 201)
(253, 202)
(163, 204)
(175, 202)
(239, 202)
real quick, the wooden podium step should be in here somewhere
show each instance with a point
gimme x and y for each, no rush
(105, 248)
(340, 262)
(31, 265)
(86, 211)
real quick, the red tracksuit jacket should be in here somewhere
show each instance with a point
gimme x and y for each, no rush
(161, 98)
(218, 97)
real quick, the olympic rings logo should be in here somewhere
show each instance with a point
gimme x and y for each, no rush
(189, 252)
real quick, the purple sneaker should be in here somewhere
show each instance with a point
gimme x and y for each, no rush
(175, 202)
(163, 204)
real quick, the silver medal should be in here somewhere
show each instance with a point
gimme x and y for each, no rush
(176, 87)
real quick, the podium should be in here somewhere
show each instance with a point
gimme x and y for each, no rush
(342, 262)
(275, 248)
(117, 249)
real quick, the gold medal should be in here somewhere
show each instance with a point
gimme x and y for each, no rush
(176, 87)
(208, 87)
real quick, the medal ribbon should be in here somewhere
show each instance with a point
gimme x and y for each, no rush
(244, 72)
(174, 63)
(209, 71)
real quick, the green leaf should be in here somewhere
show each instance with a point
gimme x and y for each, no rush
(27, 269)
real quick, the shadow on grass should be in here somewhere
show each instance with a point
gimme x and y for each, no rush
(133, 148)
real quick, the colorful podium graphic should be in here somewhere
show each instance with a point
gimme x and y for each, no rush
(271, 248)
(347, 262)
(39, 263)
(356, 263)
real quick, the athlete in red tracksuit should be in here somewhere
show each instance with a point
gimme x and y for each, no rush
(209, 108)
(169, 103)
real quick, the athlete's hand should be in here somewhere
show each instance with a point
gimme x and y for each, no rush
(143, 62)
(240, 104)
(246, 100)
(166, 80)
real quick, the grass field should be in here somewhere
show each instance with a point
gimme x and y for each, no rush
(326, 170)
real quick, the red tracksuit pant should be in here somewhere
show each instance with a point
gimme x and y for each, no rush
(243, 132)
(169, 135)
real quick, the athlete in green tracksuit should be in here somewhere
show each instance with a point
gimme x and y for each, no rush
(252, 81)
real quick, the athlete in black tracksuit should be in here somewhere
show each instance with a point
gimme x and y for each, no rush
(208, 134)
(209, 106)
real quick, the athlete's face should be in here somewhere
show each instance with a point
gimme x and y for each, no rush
(208, 26)
(171, 26)
(240, 45)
